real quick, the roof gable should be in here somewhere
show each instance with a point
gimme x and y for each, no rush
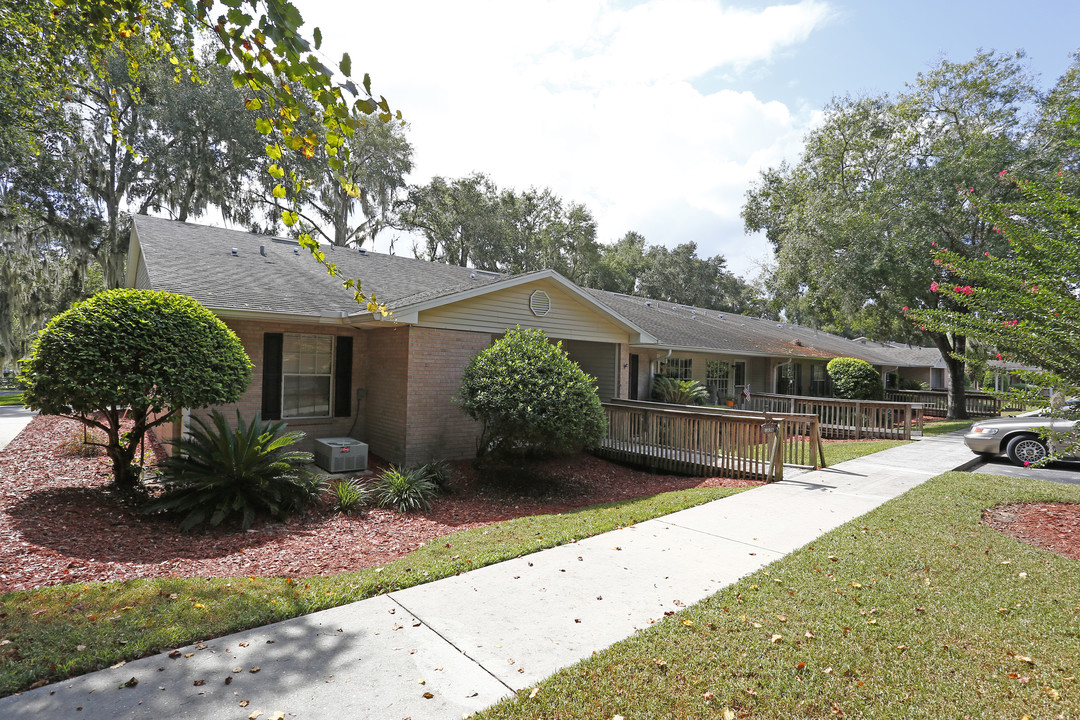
(268, 274)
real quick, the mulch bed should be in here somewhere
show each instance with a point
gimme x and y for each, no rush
(1051, 526)
(59, 523)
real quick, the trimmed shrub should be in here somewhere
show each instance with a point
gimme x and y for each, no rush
(854, 379)
(531, 399)
(680, 392)
(220, 473)
(405, 489)
(133, 354)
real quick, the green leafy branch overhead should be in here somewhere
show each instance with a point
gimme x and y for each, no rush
(55, 45)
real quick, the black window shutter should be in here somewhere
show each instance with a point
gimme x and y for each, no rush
(343, 377)
(271, 379)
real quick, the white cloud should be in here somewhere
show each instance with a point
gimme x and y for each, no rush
(593, 98)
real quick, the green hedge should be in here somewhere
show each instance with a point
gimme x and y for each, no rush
(532, 399)
(854, 379)
(139, 351)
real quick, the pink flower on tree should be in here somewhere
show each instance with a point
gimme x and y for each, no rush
(1034, 288)
(987, 254)
(905, 308)
(1002, 173)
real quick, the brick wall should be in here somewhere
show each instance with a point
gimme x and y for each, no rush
(436, 427)
(386, 384)
(251, 333)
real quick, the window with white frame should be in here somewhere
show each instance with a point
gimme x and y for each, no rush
(818, 384)
(717, 377)
(306, 375)
(676, 368)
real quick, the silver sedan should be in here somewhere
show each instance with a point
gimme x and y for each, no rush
(1018, 437)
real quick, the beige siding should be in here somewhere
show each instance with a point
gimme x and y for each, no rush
(569, 318)
(597, 359)
(142, 277)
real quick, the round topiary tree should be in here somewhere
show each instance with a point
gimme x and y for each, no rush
(854, 379)
(135, 354)
(531, 398)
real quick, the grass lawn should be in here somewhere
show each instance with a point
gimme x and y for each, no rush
(67, 630)
(916, 610)
(940, 427)
(15, 399)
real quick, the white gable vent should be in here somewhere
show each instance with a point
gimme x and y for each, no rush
(539, 303)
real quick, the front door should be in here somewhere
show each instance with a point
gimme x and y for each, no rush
(633, 377)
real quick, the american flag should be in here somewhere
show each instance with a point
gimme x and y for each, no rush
(746, 393)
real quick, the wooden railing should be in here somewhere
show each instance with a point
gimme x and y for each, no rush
(936, 402)
(849, 419)
(710, 441)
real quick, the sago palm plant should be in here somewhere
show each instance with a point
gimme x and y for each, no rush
(681, 392)
(219, 473)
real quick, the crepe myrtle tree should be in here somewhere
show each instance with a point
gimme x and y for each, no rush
(531, 398)
(136, 355)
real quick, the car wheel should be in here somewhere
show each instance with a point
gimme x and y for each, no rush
(1026, 450)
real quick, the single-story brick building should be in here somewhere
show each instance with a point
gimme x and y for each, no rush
(331, 368)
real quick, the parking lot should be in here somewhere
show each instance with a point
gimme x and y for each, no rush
(1062, 472)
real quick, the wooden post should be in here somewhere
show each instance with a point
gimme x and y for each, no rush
(776, 472)
(858, 420)
(908, 409)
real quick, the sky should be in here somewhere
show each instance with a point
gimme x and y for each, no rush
(657, 115)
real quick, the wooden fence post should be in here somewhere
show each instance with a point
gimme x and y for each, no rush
(858, 420)
(816, 442)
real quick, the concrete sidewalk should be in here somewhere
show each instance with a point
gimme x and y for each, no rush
(470, 640)
(13, 418)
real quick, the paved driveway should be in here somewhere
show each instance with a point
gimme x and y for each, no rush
(13, 419)
(1062, 472)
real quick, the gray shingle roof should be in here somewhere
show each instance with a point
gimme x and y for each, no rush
(690, 327)
(197, 260)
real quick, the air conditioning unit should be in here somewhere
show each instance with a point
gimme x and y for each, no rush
(342, 454)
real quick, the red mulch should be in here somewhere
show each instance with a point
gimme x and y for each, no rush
(1051, 526)
(59, 523)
